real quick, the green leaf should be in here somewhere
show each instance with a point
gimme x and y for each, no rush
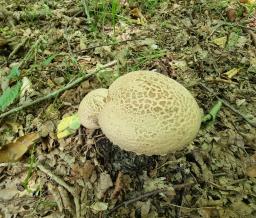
(68, 125)
(48, 60)
(9, 95)
(15, 72)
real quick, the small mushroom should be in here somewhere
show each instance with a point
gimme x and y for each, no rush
(147, 113)
(90, 107)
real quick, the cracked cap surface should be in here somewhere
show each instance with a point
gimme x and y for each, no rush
(149, 113)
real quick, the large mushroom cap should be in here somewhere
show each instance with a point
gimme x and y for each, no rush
(90, 107)
(149, 113)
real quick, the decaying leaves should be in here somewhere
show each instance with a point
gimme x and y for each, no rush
(103, 184)
(136, 13)
(15, 150)
(99, 206)
(231, 73)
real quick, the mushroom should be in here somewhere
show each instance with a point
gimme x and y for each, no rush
(90, 107)
(147, 113)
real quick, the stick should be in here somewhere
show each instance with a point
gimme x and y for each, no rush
(149, 194)
(251, 122)
(57, 92)
(253, 36)
(146, 195)
(61, 182)
(56, 178)
(113, 43)
(16, 49)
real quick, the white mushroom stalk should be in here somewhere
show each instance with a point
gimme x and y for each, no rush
(146, 113)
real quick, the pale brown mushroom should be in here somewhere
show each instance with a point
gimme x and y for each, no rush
(149, 113)
(90, 107)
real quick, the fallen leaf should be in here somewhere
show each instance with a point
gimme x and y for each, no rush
(232, 72)
(251, 171)
(99, 206)
(221, 42)
(231, 14)
(180, 64)
(232, 40)
(26, 88)
(85, 171)
(145, 208)
(68, 126)
(15, 150)
(158, 183)
(252, 68)
(104, 183)
(136, 13)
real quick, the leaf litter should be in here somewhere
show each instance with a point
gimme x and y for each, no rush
(48, 45)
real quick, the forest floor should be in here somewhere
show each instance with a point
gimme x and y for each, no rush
(208, 46)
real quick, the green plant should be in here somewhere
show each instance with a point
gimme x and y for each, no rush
(11, 93)
(144, 57)
(36, 12)
(147, 5)
(31, 168)
(102, 12)
(250, 8)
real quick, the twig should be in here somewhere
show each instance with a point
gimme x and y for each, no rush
(31, 51)
(56, 178)
(61, 182)
(149, 194)
(229, 24)
(146, 195)
(227, 104)
(112, 43)
(220, 80)
(253, 36)
(17, 48)
(57, 92)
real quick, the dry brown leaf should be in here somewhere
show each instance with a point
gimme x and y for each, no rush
(136, 14)
(118, 185)
(231, 14)
(251, 171)
(103, 184)
(14, 151)
(84, 171)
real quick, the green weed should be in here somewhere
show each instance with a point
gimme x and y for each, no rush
(147, 5)
(36, 12)
(31, 168)
(145, 57)
(101, 13)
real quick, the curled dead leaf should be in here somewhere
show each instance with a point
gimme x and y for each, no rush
(136, 14)
(251, 171)
(15, 150)
(231, 14)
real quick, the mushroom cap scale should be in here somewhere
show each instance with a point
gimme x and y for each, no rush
(149, 113)
(90, 107)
